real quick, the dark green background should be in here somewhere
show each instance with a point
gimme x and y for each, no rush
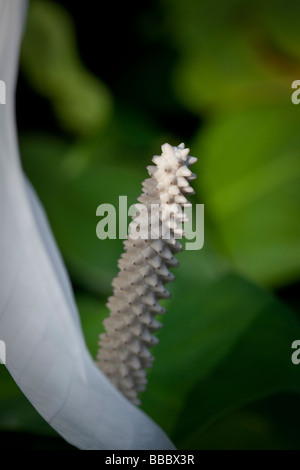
(99, 91)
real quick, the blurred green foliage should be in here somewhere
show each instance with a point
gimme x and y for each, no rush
(50, 61)
(250, 178)
(234, 55)
(223, 376)
(238, 60)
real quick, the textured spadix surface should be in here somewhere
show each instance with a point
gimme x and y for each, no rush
(144, 270)
(46, 351)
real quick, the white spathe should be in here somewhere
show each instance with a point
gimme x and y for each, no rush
(45, 349)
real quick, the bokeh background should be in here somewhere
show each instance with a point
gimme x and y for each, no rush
(101, 87)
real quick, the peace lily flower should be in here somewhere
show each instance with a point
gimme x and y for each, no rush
(144, 270)
(46, 352)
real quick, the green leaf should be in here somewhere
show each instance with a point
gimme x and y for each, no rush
(233, 55)
(249, 177)
(72, 182)
(92, 313)
(16, 412)
(259, 365)
(268, 424)
(225, 343)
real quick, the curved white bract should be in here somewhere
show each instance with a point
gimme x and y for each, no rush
(144, 270)
(45, 349)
